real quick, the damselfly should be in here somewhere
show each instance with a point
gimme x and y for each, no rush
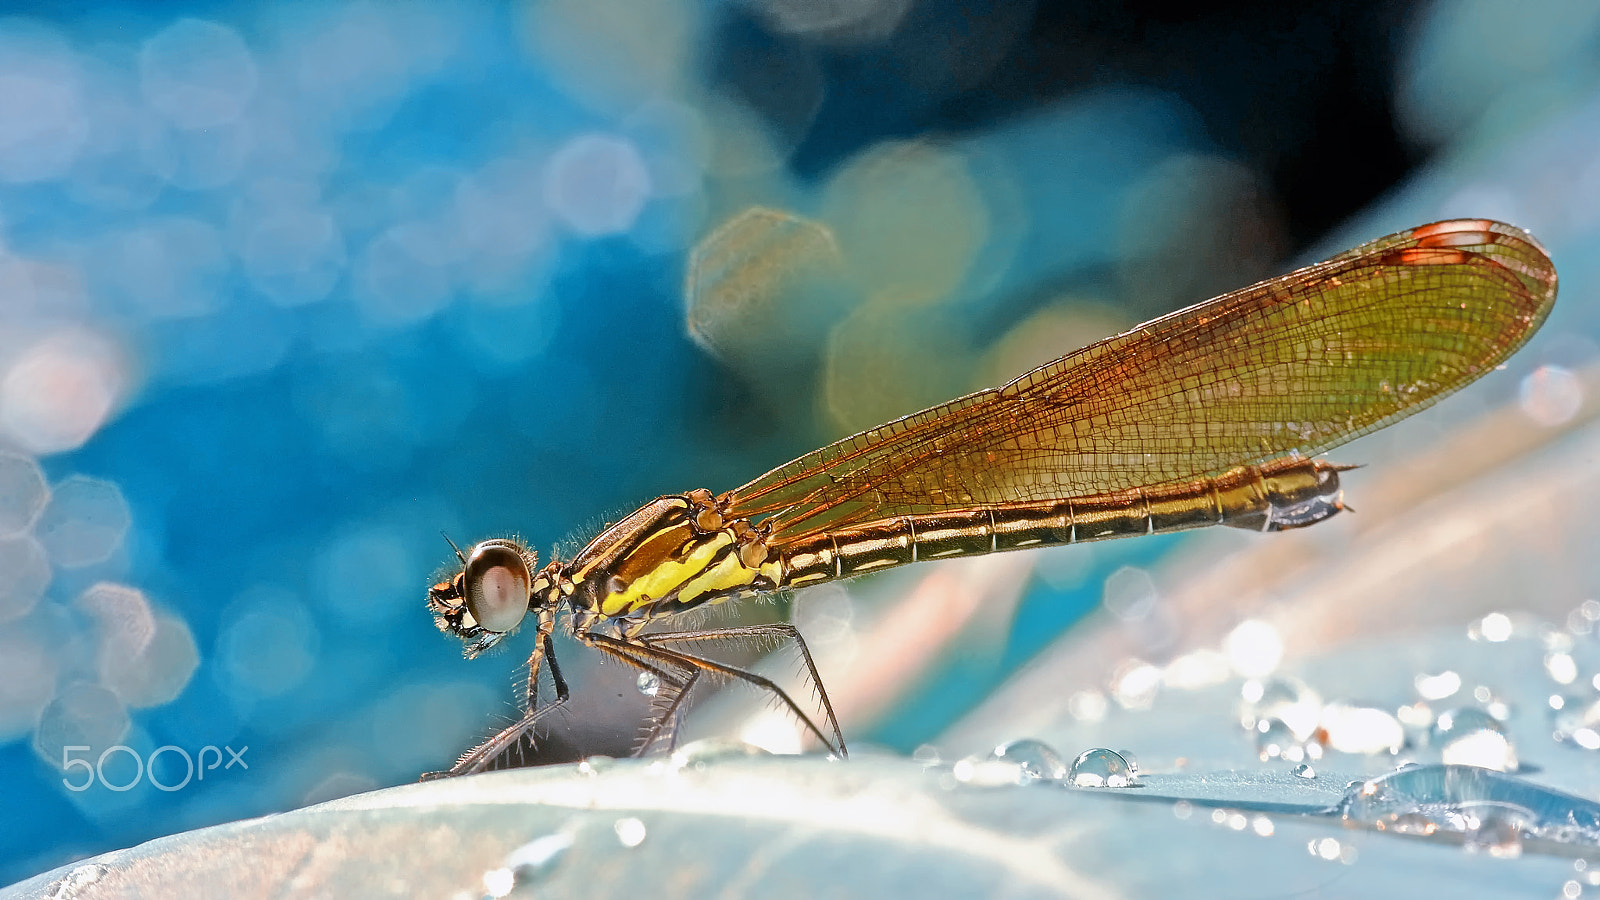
(1212, 415)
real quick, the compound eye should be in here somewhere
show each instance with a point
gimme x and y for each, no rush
(497, 586)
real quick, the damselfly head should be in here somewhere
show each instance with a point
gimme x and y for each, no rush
(489, 597)
(498, 583)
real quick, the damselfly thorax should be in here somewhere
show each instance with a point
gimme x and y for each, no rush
(1212, 415)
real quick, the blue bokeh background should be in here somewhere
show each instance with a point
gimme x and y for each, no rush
(286, 291)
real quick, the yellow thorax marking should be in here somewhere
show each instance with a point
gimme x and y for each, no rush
(692, 576)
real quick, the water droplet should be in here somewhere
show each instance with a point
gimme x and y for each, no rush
(1275, 740)
(1471, 737)
(498, 882)
(1304, 771)
(1087, 706)
(926, 755)
(649, 684)
(1437, 687)
(1575, 724)
(1332, 850)
(1286, 699)
(1494, 628)
(1262, 825)
(1361, 729)
(1136, 684)
(1561, 667)
(1254, 648)
(702, 753)
(1039, 761)
(1101, 768)
(630, 831)
(1491, 810)
(1417, 715)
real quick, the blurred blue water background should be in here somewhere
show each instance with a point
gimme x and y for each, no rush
(287, 290)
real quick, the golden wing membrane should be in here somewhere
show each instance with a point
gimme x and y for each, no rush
(1297, 364)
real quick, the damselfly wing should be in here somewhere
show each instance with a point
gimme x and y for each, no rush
(1212, 415)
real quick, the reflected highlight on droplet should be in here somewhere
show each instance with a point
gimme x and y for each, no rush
(1494, 628)
(1361, 729)
(1087, 706)
(1561, 667)
(1437, 687)
(648, 683)
(1471, 737)
(1276, 740)
(1287, 699)
(1197, 669)
(1254, 648)
(630, 831)
(1577, 723)
(1331, 850)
